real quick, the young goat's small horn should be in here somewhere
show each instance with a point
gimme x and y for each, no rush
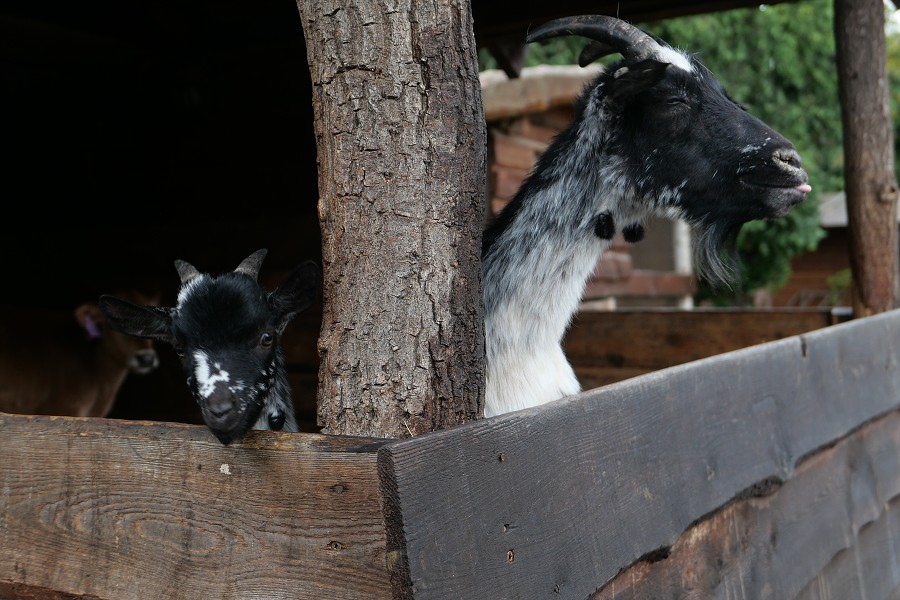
(250, 265)
(186, 271)
(613, 35)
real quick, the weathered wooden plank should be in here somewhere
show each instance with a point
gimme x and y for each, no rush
(122, 510)
(869, 569)
(609, 346)
(538, 89)
(593, 377)
(830, 532)
(641, 282)
(659, 338)
(554, 501)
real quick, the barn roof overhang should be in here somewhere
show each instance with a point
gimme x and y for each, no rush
(502, 31)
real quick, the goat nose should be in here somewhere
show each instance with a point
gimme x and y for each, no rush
(787, 156)
(220, 408)
(144, 361)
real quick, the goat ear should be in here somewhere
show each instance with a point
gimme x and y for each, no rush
(250, 265)
(296, 293)
(89, 318)
(140, 321)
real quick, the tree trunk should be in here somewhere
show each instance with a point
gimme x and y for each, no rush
(869, 178)
(401, 142)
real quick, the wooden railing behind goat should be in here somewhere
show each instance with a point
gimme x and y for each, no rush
(58, 363)
(654, 134)
(227, 332)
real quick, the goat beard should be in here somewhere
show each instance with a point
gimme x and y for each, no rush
(716, 258)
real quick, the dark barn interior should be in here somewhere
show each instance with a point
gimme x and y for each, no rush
(137, 134)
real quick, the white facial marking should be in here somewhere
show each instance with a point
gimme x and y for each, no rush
(206, 377)
(674, 58)
(750, 148)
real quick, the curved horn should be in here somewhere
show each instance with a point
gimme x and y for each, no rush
(593, 51)
(614, 35)
(186, 271)
(250, 265)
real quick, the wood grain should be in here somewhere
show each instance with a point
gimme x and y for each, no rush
(830, 532)
(122, 510)
(554, 501)
(657, 338)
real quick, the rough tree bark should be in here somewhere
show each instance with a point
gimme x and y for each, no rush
(869, 178)
(401, 143)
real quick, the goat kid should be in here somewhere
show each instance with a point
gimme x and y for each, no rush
(654, 134)
(227, 332)
(54, 364)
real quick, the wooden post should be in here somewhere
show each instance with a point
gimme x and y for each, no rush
(400, 136)
(869, 179)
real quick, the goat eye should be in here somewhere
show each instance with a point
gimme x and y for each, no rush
(266, 339)
(675, 100)
(179, 351)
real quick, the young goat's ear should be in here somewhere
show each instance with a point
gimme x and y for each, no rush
(90, 319)
(296, 293)
(140, 321)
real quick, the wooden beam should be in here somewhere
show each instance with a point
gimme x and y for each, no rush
(136, 510)
(493, 18)
(657, 338)
(538, 89)
(870, 181)
(826, 533)
(556, 500)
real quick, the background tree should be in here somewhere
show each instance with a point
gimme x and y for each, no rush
(401, 142)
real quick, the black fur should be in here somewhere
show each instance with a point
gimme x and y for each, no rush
(605, 226)
(230, 325)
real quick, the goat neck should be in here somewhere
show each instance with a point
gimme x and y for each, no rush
(654, 134)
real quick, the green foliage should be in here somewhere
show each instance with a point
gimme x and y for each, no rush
(892, 56)
(838, 285)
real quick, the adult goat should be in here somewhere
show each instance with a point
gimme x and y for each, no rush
(227, 331)
(654, 134)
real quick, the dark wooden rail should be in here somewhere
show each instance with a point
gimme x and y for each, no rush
(605, 347)
(767, 472)
(119, 509)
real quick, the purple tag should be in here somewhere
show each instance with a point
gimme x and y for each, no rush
(91, 327)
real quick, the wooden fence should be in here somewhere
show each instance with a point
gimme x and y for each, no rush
(767, 472)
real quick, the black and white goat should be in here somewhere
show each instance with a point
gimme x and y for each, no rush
(654, 134)
(227, 331)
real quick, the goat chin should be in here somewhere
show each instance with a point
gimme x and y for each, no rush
(518, 381)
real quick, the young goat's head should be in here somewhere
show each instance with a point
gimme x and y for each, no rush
(674, 140)
(226, 331)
